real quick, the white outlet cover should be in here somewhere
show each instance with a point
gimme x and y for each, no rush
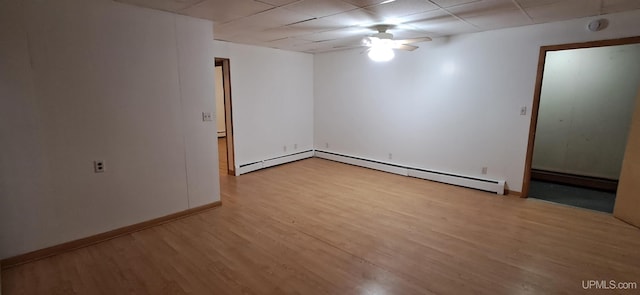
(98, 166)
(207, 116)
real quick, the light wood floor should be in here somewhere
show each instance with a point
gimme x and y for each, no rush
(222, 155)
(320, 227)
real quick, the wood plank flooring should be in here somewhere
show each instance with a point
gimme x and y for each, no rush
(321, 227)
(222, 156)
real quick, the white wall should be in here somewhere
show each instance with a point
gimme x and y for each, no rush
(585, 112)
(219, 82)
(272, 99)
(85, 80)
(453, 105)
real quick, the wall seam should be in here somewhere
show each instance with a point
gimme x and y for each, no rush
(182, 123)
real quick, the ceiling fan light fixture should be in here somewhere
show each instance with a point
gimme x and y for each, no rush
(381, 53)
(381, 44)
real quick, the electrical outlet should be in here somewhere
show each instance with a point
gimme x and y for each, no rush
(484, 170)
(523, 111)
(207, 116)
(326, 145)
(284, 147)
(295, 146)
(390, 156)
(98, 166)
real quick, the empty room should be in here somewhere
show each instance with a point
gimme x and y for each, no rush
(319, 146)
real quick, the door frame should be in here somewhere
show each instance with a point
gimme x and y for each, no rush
(526, 181)
(228, 113)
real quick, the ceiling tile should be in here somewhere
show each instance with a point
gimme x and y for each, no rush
(229, 30)
(316, 25)
(288, 42)
(338, 34)
(339, 44)
(326, 25)
(269, 23)
(567, 9)
(500, 19)
(450, 3)
(239, 39)
(308, 47)
(321, 8)
(611, 6)
(492, 14)
(275, 34)
(398, 31)
(166, 5)
(484, 7)
(220, 11)
(534, 3)
(358, 17)
(272, 18)
(409, 32)
(364, 3)
(400, 8)
(414, 17)
(277, 2)
(439, 23)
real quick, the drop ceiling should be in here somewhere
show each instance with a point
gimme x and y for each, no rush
(325, 25)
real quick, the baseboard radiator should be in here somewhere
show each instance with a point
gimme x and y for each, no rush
(496, 186)
(246, 168)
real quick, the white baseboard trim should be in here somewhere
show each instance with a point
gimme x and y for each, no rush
(485, 184)
(496, 186)
(246, 168)
(249, 168)
(362, 162)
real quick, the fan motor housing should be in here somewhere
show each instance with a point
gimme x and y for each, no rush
(383, 35)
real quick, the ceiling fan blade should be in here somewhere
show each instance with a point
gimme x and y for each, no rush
(370, 41)
(414, 40)
(405, 47)
(366, 41)
(347, 46)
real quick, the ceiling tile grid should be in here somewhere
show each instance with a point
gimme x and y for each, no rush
(401, 8)
(492, 14)
(450, 3)
(325, 25)
(321, 8)
(364, 3)
(220, 11)
(562, 10)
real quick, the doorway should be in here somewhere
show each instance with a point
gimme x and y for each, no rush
(224, 117)
(583, 103)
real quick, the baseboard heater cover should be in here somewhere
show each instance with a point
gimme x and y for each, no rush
(362, 162)
(249, 167)
(496, 186)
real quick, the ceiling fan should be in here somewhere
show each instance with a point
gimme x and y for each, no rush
(382, 44)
